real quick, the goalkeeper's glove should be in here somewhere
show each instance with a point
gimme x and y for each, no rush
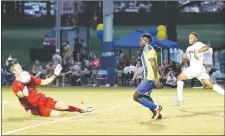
(57, 70)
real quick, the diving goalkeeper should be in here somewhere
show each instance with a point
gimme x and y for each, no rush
(34, 101)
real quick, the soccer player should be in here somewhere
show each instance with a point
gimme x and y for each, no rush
(38, 103)
(195, 55)
(150, 77)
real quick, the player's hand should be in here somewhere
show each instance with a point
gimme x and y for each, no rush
(156, 82)
(25, 91)
(196, 55)
(57, 70)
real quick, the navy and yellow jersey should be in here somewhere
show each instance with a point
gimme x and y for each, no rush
(148, 53)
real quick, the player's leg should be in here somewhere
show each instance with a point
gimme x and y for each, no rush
(214, 87)
(180, 87)
(205, 79)
(50, 103)
(49, 112)
(139, 97)
(154, 112)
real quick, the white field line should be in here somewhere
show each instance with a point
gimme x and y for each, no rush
(62, 119)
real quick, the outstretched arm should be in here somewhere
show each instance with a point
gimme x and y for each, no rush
(49, 80)
(203, 49)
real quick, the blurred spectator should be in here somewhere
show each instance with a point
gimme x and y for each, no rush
(208, 58)
(87, 71)
(95, 63)
(138, 73)
(171, 81)
(75, 74)
(222, 60)
(50, 69)
(216, 58)
(138, 55)
(77, 49)
(164, 77)
(179, 55)
(122, 61)
(165, 54)
(8, 59)
(57, 59)
(128, 73)
(37, 69)
(214, 73)
(171, 67)
(3, 77)
(178, 69)
(164, 66)
(67, 51)
(83, 49)
(7, 77)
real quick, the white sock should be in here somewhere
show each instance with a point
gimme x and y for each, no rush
(218, 89)
(180, 86)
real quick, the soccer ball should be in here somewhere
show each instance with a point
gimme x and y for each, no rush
(24, 77)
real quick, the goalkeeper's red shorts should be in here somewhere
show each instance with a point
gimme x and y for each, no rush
(46, 105)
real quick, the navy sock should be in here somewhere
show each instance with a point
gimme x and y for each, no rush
(147, 103)
(150, 99)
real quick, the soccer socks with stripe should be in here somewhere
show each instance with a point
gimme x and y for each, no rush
(72, 109)
(218, 89)
(180, 86)
(147, 103)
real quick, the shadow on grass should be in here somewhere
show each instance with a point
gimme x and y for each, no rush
(212, 113)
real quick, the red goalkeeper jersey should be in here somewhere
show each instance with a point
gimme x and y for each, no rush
(34, 98)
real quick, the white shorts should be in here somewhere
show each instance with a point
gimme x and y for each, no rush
(196, 72)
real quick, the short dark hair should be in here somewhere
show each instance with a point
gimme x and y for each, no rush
(195, 34)
(12, 63)
(148, 36)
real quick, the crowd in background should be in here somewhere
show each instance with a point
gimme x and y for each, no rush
(78, 66)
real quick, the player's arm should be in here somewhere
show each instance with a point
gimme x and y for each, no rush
(153, 61)
(17, 91)
(20, 94)
(49, 80)
(203, 48)
(184, 59)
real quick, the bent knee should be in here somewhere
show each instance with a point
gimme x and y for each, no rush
(208, 83)
(55, 113)
(136, 97)
(61, 106)
(182, 77)
(210, 86)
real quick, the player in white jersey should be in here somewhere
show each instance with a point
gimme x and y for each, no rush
(195, 55)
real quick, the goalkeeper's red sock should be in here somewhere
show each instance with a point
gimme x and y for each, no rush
(72, 108)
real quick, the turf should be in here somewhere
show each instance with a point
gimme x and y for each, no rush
(116, 113)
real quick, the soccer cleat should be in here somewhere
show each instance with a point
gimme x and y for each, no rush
(157, 115)
(87, 109)
(160, 116)
(178, 103)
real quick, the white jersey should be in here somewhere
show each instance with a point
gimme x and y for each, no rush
(208, 57)
(190, 54)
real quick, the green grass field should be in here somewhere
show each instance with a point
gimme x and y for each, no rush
(116, 113)
(18, 41)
